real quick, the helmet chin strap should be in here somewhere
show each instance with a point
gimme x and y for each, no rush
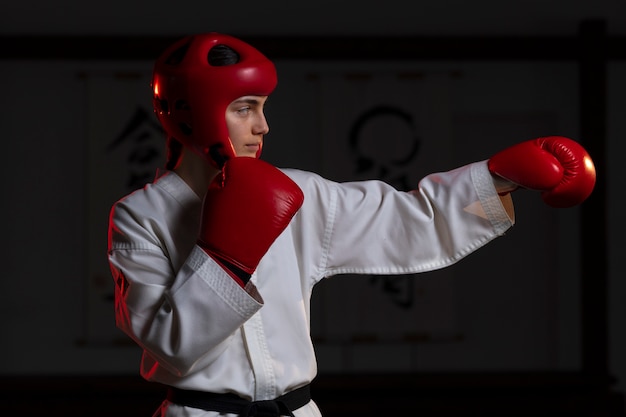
(218, 157)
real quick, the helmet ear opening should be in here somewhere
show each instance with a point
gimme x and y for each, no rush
(183, 105)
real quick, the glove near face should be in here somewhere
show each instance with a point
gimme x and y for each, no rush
(557, 166)
(247, 206)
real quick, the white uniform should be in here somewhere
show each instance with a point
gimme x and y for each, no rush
(200, 330)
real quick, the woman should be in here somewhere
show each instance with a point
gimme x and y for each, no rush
(215, 261)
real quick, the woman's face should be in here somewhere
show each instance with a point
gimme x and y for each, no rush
(245, 118)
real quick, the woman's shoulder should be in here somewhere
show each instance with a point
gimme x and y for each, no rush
(165, 191)
(307, 179)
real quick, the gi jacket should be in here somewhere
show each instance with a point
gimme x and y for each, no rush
(200, 330)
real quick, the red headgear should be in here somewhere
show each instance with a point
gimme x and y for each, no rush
(191, 95)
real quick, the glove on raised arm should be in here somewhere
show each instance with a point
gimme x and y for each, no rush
(557, 166)
(247, 206)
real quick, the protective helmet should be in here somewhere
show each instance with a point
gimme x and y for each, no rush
(191, 95)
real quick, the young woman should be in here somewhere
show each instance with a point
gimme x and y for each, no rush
(214, 262)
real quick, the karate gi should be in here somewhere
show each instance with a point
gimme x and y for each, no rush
(200, 330)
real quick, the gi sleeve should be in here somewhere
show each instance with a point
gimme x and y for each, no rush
(375, 229)
(184, 318)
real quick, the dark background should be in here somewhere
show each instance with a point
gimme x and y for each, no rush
(45, 368)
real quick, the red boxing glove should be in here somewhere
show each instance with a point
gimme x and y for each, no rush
(559, 167)
(247, 206)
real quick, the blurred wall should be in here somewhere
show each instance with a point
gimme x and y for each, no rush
(46, 211)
